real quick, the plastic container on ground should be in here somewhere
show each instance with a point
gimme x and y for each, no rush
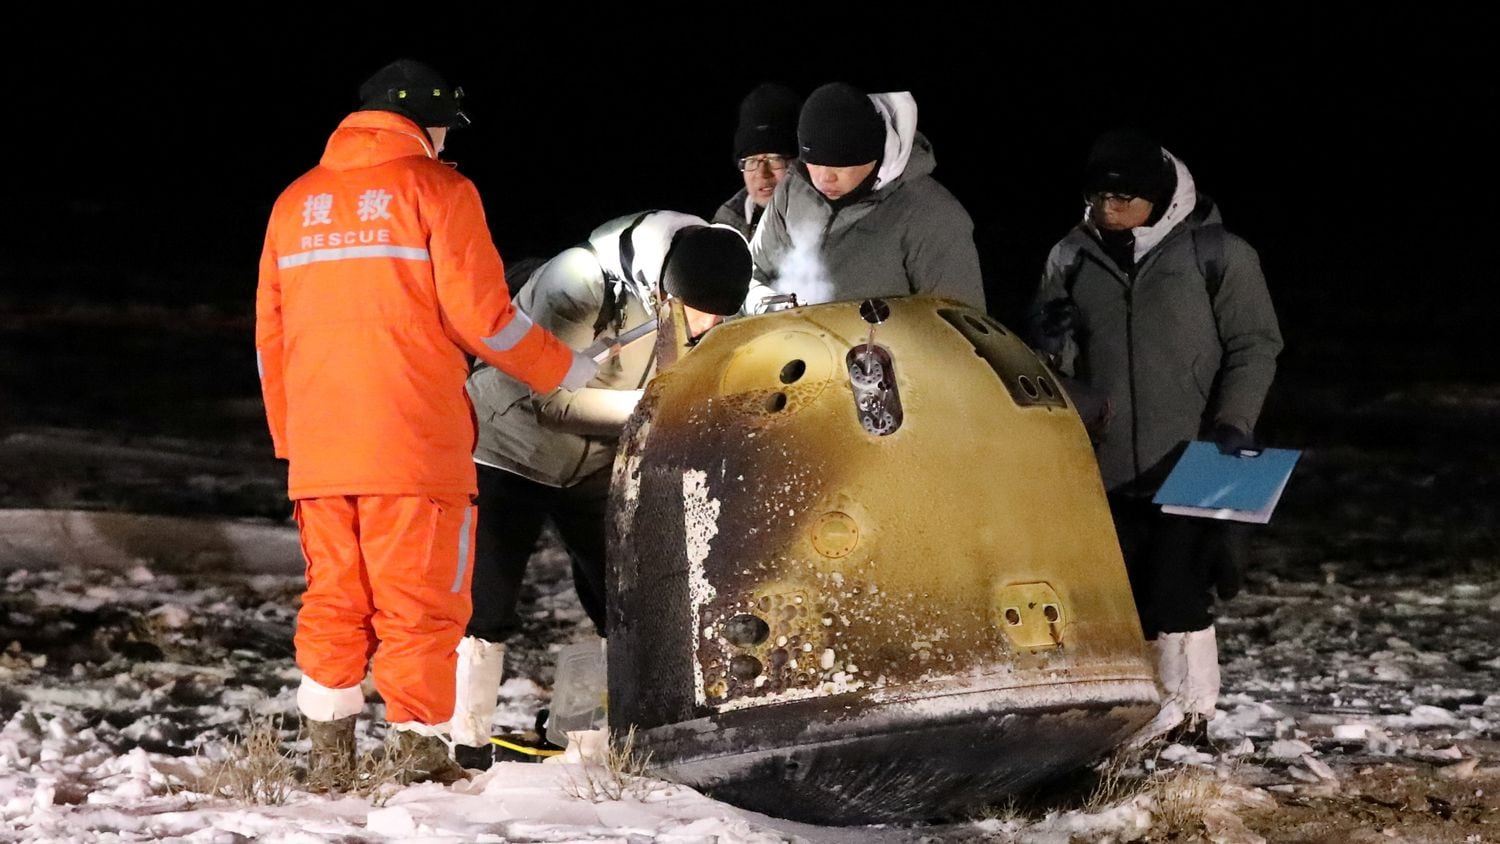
(579, 691)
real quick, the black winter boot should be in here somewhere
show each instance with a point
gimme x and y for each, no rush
(477, 758)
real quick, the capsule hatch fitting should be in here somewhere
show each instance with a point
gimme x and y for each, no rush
(872, 377)
(835, 534)
(1030, 615)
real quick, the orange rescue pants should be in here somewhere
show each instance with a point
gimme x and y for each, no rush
(388, 589)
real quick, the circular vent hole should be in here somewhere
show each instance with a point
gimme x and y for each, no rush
(793, 371)
(1050, 613)
(746, 630)
(744, 667)
(1012, 616)
(1046, 387)
(776, 402)
(1027, 387)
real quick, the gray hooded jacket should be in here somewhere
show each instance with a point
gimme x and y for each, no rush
(558, 438)
(1170, 360)
(908, 235)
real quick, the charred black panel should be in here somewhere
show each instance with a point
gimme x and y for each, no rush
(653, 631)
(650, 630)
(873, 767)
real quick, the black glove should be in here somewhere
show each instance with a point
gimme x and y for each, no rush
(1058, 316)
(1051, 324)
(1232, 440)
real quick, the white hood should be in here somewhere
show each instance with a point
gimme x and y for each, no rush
(899, 111)
(1184, 200)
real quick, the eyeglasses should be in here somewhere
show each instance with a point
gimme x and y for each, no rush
(1111, 198)
(777, 163)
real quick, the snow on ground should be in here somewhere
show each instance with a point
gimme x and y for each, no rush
(121, 685)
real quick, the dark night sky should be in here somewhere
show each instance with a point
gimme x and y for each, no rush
(1339, 138)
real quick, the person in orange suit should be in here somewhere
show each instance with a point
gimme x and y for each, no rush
(377, 280)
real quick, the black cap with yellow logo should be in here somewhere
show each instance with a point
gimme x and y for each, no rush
(412, 89)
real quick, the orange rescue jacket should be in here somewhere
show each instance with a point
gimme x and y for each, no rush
(377, 276)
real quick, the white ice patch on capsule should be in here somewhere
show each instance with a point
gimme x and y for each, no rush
(627, 478)
(700, 516)
(837, 685)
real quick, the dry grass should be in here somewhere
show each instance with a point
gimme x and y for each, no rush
(378, 773)
(255, 769)
(622, 774)
(1112, 781)
(1185, 801)
(1117, 779)
(1008, 812)
(1007, 821)
(1181, 797)
(258, 769)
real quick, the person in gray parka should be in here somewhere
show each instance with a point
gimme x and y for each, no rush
(1160, 323)
(859, 214)
(765, 146)
(547, 458)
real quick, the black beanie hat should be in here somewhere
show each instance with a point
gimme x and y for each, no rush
(840, 127)
(414, 90)
(768, 122)
(708, 268)
(1132, 162)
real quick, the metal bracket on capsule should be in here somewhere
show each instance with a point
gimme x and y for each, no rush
(872, 375)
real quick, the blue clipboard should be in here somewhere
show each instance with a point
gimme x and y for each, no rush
(1243, 488)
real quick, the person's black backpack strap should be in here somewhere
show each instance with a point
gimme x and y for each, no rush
(1209, 247)
(1210, 243)
(612, 310)
(608, 307)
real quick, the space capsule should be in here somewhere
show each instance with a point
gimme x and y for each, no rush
(862, 568)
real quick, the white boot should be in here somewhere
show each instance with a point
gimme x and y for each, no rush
(1172, 682)
(480, 665)
(318, 702)
(1172, 665)
(1200, 694)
